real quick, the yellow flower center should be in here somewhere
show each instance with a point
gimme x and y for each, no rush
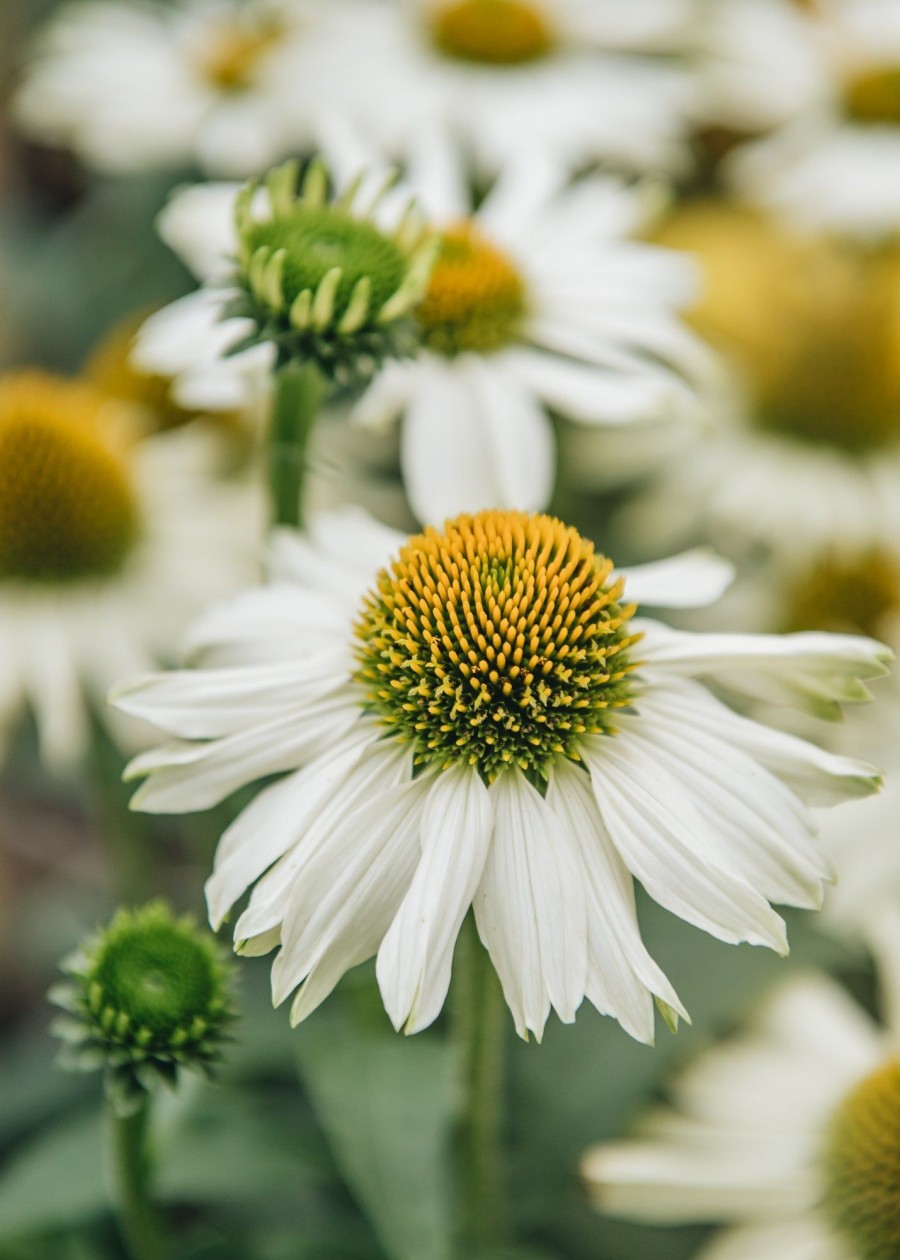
(814, 326)
(492, 32)
(475, 298)
(847, 594)
(874, 96)
(862, 1166)
(496, 641)
(67, 506)
(233, 52)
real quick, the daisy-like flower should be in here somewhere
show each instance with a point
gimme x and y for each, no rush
(836, 163)
(517, 76)
(539, 304)
(475, 717)
(790, 1133)
(228, 84)
(807, 461)
(107, 548)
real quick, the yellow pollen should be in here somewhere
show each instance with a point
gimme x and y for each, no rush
(475, 299)
(847, 594)
(233, 53)
(497, 641)
(862, 1167)
(492, 32)
(813, 325)
(873, 97)
(67, 506)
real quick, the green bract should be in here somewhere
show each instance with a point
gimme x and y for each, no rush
(147, 995)
(322, 281)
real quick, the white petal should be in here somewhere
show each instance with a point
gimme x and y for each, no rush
(807, 1238)
(416, 954)
(587, 394)
(693, 579)
(277, 622)
(517, 436)
(530, 908)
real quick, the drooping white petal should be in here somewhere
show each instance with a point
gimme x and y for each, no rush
(809, 1237)
(674, 857)
(416, 954)
(276, 622)
(530, 908)
(622, 978)
(690, 580)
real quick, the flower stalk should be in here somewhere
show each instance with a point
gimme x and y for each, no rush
(479, 1017)
(132, 1171)
(300, 390)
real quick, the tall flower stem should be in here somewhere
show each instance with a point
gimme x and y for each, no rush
(479, 1026)
(131, 1173)
(299, 392)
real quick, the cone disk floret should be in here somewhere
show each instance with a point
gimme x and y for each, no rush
(148, 995)
(68, 510)
(873, 97)
(862, 1166)
(235, 51)
(492, 32)
(848, 594)
(498, 641)
(475, 300)
(322, 281)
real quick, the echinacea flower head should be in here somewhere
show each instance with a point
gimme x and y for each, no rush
(811, 327)
(321, 281)
(790, 1132)
(146, 997)
(476, 717)
(95, 528)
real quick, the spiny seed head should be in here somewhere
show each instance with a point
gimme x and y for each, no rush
(68, 510)
(848, 594)
(492, 32)
(475, 298)
(862, 1167)
(146, 996)
(497, 641)
(873, 97)
(321, 281)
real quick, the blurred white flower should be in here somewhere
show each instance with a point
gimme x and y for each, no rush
(790, 1132)
(836, 164)
(806, 460)
(473, 717)
(227, 84)
(514, 77)
(108, 547)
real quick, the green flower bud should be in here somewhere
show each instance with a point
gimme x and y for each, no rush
(322, 281)
(146, 996)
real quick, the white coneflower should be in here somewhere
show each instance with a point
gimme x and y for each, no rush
(790, 1133)
(518, 76)
(807, 460)
(130, 86)
(107, 548)
(475, 718)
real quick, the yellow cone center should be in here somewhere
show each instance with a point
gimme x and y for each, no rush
(862, 1166)
(476, 297)
(492, 32)
(813, 326)
(233, 53)
(496, 641)
(67, 505)
(873, 97)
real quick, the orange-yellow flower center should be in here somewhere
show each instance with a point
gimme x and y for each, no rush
(874, 96)
(475, 298)
(862, 1166)
(67, 505)
(499, 640)
(233, 53)
(853, 594)
(492, 32)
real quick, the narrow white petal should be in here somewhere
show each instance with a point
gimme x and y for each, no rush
(415, 957)
(693, 579)
(530, 907)
(807, 1238)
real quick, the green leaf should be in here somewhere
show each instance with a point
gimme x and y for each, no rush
(56, 1180)
(387, 1104)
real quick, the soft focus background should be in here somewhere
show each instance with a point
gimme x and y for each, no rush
(290, 1153)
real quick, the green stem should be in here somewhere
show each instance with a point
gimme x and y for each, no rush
(299, 393)
(131, 1166)
(479, 1026)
